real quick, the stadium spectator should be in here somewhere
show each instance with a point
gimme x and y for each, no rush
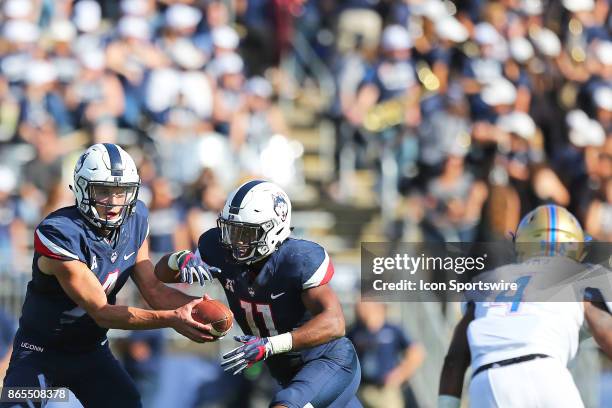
(388, 357)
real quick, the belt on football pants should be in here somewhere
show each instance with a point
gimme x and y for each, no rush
(508, 362)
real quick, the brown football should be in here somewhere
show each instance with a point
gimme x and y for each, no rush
(214, 313)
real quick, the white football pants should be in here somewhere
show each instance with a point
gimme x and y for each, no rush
(539, 383)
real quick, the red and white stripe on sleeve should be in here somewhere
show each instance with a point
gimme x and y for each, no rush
(322, 275)
(46, 247)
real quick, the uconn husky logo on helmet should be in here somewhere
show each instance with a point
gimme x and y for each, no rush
(105, 185)
(255, 220)
(280, 206)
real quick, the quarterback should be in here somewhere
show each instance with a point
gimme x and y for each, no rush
(519, 350)
(83, 256)
(276, 286)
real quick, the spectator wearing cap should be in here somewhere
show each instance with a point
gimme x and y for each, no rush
(515, 69)
(131, 56)
(96, 97)
(225, 40)
(21, 41)
(92, 32)
(518, 153)
(62, 34)
(144, 9)
(580, 164)
(591, 19)
(393, 76)
(482, 70)
(603, 103)
(260, 119)
(13, 233)
(41, 105)
(229, 96)
(599, 65)
(181, 86)
(451, 34)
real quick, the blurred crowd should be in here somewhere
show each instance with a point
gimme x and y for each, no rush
(477, 111)
(185, 86)
(472, 111)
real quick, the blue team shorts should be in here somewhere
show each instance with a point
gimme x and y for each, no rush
(330, 380)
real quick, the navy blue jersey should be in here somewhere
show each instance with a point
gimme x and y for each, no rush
(49, 316)
(269, 302)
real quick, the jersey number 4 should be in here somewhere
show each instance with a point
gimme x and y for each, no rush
(517, 296)
(265, 313)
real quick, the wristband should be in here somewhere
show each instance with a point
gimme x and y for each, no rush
(173, 260)
(448, 401)
(281, 343)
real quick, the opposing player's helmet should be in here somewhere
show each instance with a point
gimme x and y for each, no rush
(105, 176)
(255, 220)
(550, 230)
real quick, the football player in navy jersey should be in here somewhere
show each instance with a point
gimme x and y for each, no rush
(83, 255)
(276, 286)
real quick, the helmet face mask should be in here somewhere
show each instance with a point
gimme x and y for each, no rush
(106, 185)
(255, 221)
(110, 203)
(246, 241)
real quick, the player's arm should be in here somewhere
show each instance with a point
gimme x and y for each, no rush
(456, 362)
(599, 319)
(327, 322)
(157, 295)
(80, 284)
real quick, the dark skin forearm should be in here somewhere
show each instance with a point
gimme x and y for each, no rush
(327, 323)
(163, 271)
(457, 359)
(600, 323)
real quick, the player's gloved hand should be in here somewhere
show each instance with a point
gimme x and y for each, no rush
(253, 349)
(191, 267)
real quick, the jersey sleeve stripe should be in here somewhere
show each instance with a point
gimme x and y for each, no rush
(322, 275)
(44, 246)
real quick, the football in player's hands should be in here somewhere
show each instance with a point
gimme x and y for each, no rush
(215, 313)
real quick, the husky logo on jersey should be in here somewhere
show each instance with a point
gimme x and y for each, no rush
(280, 206)
(94, 263)
(113, 257)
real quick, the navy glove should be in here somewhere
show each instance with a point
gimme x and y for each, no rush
(191, 267)
(253, 349)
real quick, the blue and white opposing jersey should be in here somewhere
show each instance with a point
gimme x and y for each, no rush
(269, 302)
(49, 315)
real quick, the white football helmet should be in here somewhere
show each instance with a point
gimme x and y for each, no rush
(255, 220)
(105, 178)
